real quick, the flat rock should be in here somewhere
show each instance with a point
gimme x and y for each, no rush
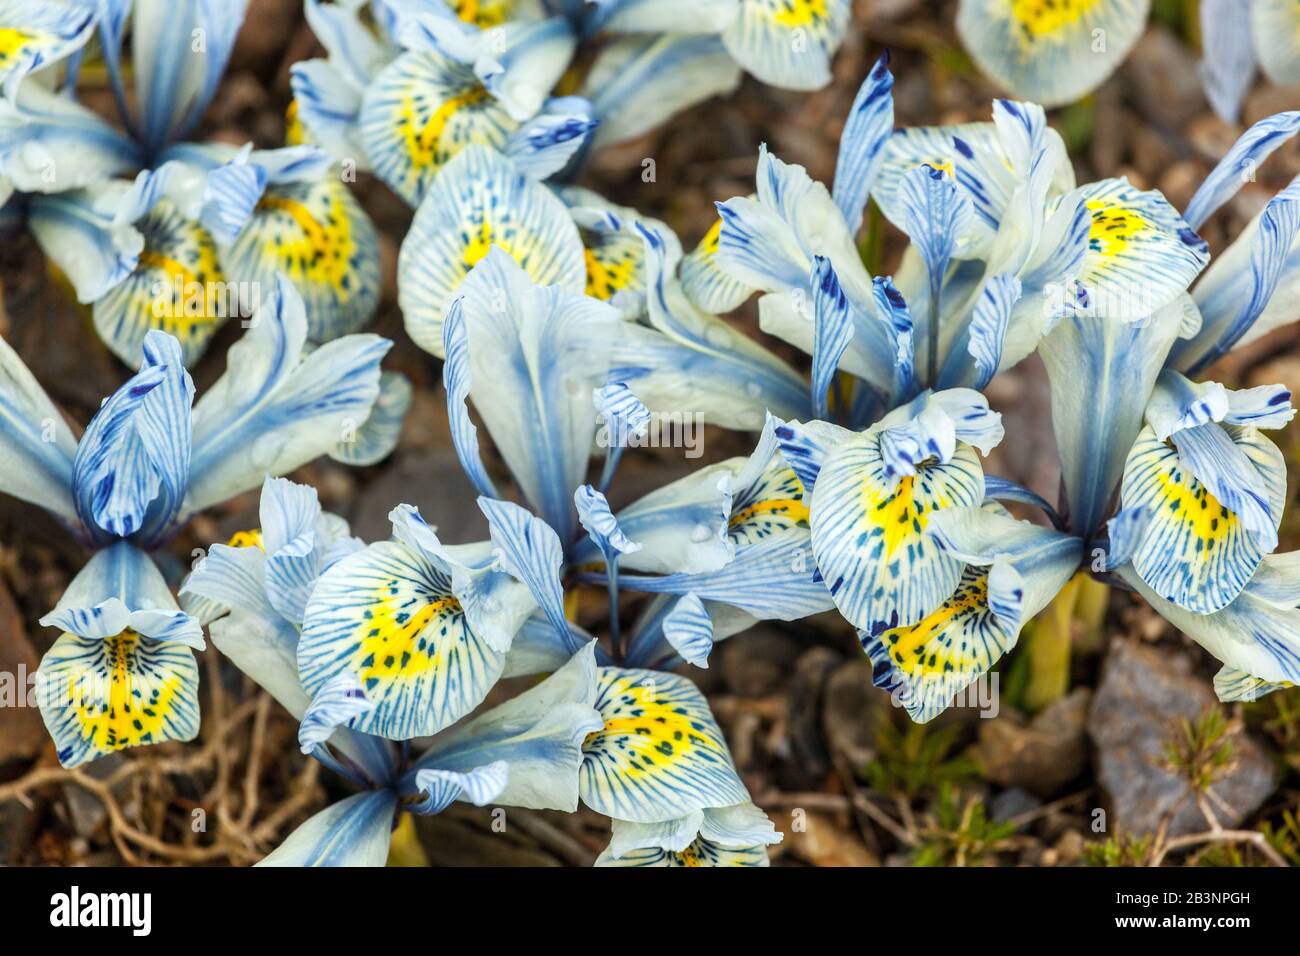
(434, 483)
(1144, 696)
(852, 708)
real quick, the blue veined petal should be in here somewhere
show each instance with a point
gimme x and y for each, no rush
(318, 236)
(1256, 633)
(693, 361)
(1238, 165)
(705, 283)
(520, 62)
(103, 694)
(1011, 570)
(806, 445)
(337, 702)
(891, 305)
(353, 832)
(622, 413)
(869, 531)
(231, 578)
(660, 753)
(935, 215)
(388, 615)
(274, 410)
(479, 786)
(547, 142)
(35, 441)
(832, 331)
(1214, 502)
(601, 525)
(788, 43)
(538, 734)
(699, 853)
(177, 286)
(1228, 67)
(326, 110)
(120, 588)
(536, 353)
(51, 143)
(1003, 489)
(689, 629)
(615, 248)
(352, 46)
(537, 649)
(1101, 372)
(78, 234)
(1050, 53)
(379, 433)
(1229, 308)
(1125, 533)
(133, 462)
(36, 35)
(1276, 28)
(988, 328)
(647, 646)
(419, 113)
(666, 16)
(639, 82)
(479, 201)
(673, 836)
(717, 829)
(1232, 685)
(529, 550)
(866, 133)
(929, 427)
(1178, 403)
(176, 77)
(289, 515)
(457, 380)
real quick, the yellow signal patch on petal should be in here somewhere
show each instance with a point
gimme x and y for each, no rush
(388, 616)
(251, 538)
(1047, 18)
(614, 264)
(660, 754)
(775, 504)
(99, 695)
(177, 286)
(295, 134)
(319, 237)
(699, 853)
(926, 664)
(1196, 553)
(483, 13)
(1113, 228)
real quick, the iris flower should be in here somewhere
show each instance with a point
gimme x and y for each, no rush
(1055, 53)
(203, 229)
(255, 596)
(146, 463)
(1168, 485)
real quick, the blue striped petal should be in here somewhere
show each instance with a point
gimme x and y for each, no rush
(379, 433)
(479, 201)
(988, 327)
(1254, 146)
(1050, 53)
(1230, 299)
(862, 144)
(869, 531)
(337, 702)
(689, 630)
(717, 836)
(289, 515)
(388, 616)
(1214, 501)
(832, 331)
(38, 35)
(133, 462)
(273, 409)
(441, 788)
(1275, 25)
(529, 550)
(788, 43)
(315, 234)
(1228, 67)
(806, 445)
(352, 832)
(546, 143)
(1232, 685)
(538, 734)
(1011, 570)
(1101, 372)
(83, 241)
(1256, 633)
(660, 753)
(664, 16)
(456, 379)
(639, 82)
(520, 62)
(536, 354)
(699, 853)
(623, 415)
(601, 525)
(706, 284)
(935, 215)
(35, 441)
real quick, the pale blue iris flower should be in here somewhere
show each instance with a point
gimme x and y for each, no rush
(201, 232)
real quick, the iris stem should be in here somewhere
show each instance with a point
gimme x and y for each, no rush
(1047, 647)
(612, 458)
(932, 342)
(611, 577)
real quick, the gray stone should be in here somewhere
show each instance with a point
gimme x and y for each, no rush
(1144, 696)
(434, 483)
(1041, 755)
(757, 662)
(852, 710)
